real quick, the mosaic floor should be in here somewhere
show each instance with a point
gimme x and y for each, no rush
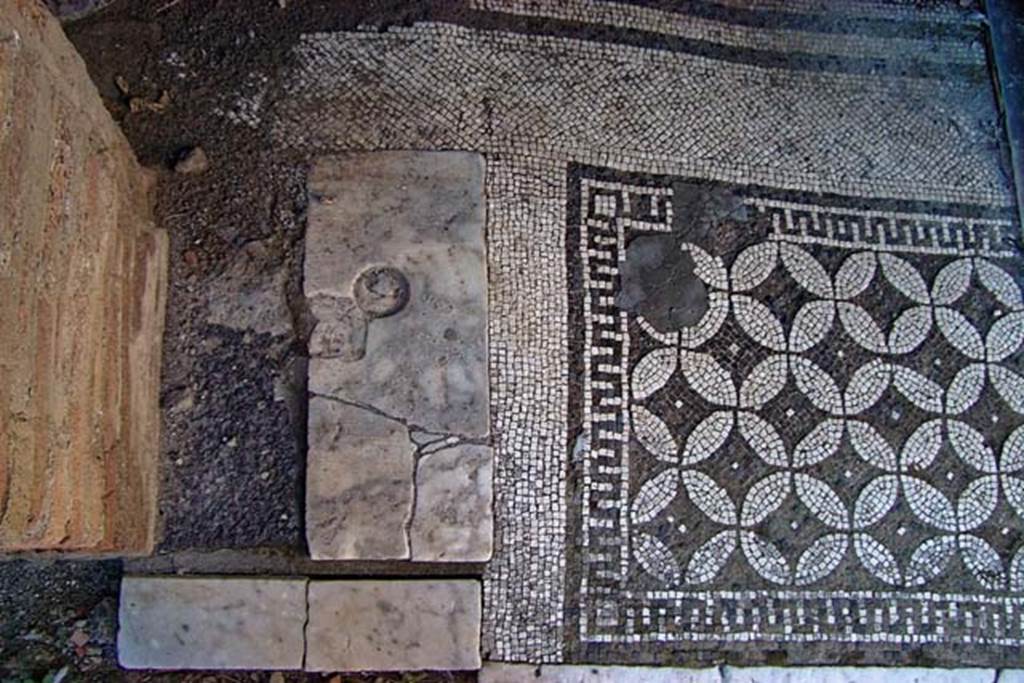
(810, 443)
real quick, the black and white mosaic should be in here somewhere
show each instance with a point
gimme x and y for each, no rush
(833, 453)
(824, 464)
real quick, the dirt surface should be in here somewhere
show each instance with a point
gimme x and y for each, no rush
(231, 465)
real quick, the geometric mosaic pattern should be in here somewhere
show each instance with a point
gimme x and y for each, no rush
(843, 429)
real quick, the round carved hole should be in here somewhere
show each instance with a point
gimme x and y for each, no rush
(381, 291)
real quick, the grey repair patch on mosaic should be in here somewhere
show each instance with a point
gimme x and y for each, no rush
(833, 452)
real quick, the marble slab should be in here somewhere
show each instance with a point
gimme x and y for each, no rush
(211, 623)
(393, 625)
(854, 674)
(395, 278)
(452, 519)
(359, 484)
(418, 217)
(494, 672)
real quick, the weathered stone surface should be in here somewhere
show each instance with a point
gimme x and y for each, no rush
(393, 625)
(340, 331)
(82, 276)
(211, 623)
(452, 520)
(421, 213)
(854, 674)
(359, 483)
(528, 673)
(250, 294)
(395, 278)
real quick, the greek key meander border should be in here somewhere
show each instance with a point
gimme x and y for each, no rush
(608, 563)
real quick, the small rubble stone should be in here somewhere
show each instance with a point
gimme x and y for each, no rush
(452, 520)
(393, 625)
(193, 163)
(359, 483)
(211, 623)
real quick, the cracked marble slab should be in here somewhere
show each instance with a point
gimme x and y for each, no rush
(359, 492)
(399, 463)
(401, 235)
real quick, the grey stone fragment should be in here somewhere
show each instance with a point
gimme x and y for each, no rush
(359, 484)
(421, 213)
(250, 294)
(193, 163)
(211, 623)
(493, 672)
(340, 330)
(452, 520)
(393, 625)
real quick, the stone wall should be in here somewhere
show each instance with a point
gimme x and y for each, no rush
(82, 289)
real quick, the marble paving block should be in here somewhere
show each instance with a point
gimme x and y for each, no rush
(393, 625)
(851, 674)
(402, 234)
(395, 276)
(211, 623)
(494, 672)
(359, 483)
(452, 520)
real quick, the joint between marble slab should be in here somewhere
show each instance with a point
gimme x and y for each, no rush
(411, 519)
(305, 628)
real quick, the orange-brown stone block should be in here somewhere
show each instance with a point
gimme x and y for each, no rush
(82, 287)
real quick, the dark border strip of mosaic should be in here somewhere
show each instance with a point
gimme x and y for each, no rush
(793, 61)
(1012, 239)
(816, 23)
(574, 413)
(1006, 43)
